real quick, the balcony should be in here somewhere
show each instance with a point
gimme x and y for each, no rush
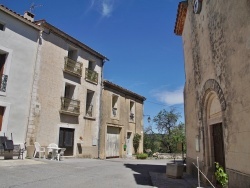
(91, 75)
(132, 117)
(72, 67)
(3, 82)
(89, 110)
(114, 112)
(70, 106)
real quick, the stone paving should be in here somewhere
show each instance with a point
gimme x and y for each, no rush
(94, 173)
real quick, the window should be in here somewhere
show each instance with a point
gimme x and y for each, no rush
(68, 103)
(5, 63)
(69, 91)
(4, 117)
(2, 26)
(90, 103)
(3, 77)
(91, 65)
(72, 53)
(114, 106)
(90, 74)
(132, 111)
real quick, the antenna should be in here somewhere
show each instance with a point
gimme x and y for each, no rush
(33, 6)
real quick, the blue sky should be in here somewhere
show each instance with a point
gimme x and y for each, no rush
(137, 36)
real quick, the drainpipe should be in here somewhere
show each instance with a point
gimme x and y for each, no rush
(27, 139)
(100, 111)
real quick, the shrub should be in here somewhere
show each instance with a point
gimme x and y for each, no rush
(220, 175)
(142, 156)
(136, 141)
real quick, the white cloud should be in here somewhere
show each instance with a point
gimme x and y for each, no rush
(107, 8)
(170, 97)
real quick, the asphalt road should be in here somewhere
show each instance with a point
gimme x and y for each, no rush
(76, 172)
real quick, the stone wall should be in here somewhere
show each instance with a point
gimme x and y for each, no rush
(217, 53)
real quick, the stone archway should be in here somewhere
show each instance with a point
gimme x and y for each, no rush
(212, 107)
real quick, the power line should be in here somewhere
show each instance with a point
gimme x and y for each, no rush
(162, 104)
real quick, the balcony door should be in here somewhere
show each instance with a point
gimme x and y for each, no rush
(66, 140)
(2, 63)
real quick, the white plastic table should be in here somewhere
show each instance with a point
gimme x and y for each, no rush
(54, 152)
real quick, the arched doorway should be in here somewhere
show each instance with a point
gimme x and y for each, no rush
(214, 143)
(212, 107)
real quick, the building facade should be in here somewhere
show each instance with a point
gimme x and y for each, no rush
(19, 43)
(122, 117)
(216, 44)
(66, 94)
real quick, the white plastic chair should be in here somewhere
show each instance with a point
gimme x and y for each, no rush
(39, 149)
(60, 154)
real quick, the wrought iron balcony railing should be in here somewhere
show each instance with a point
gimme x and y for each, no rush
(3, 82)
(114, 112)
(132, 116)
(72, 66)
(91, 75)
(89, 110)
(70, 106)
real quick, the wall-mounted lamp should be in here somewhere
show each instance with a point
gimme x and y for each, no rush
(149, 119)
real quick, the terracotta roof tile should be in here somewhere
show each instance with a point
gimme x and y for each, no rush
(126, 91)
(181, 16)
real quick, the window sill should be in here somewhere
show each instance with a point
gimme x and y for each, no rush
(89, 118)
(115, 118)
(2, 93)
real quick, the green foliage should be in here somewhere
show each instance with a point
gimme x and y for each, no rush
(142, 156)
(151, 141)
(220, 175)
(169, 132)
(178, 137)
(136, 141)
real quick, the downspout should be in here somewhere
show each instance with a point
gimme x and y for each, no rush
(32, 89)
(100, 111)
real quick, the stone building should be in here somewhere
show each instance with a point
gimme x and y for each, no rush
(216, 40)
(66, 94)
(19, 42)
(122, 117)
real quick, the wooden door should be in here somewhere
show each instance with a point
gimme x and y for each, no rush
(1, 116)
(129, 144)
(113, 142)
(66, 140)
(218, 140)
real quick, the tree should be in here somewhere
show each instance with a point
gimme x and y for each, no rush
(178, 137)
(166, 124)
(136, 141)
(151, 141)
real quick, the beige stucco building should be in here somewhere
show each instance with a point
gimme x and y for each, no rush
(216, 45)
(19, 41)
(121, 118)
(66, 94)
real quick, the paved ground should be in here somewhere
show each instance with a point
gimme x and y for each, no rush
(76, 172)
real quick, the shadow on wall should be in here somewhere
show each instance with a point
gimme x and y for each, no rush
(143, 178)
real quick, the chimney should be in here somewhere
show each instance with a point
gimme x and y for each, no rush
(29, 16)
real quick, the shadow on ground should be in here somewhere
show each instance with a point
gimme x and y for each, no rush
(142, 176)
